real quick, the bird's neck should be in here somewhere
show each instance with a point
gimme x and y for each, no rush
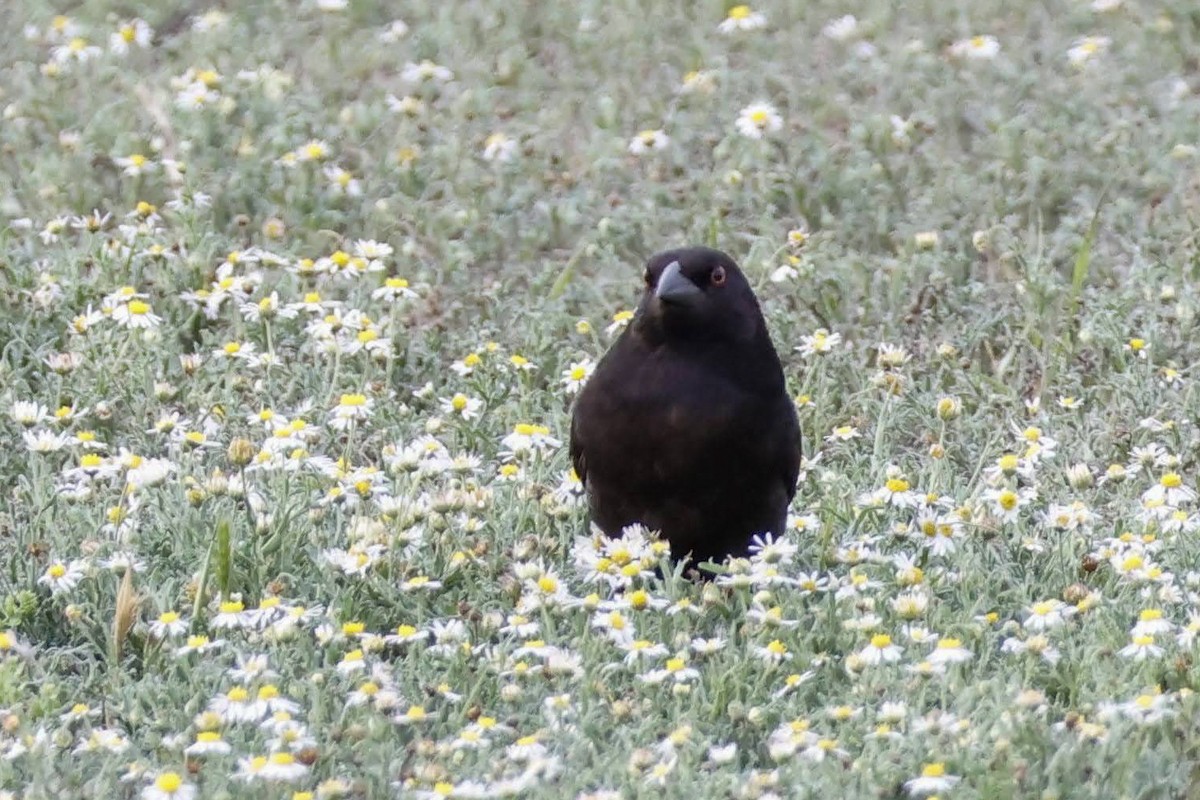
(752, 364)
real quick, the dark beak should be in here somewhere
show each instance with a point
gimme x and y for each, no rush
(674, 288)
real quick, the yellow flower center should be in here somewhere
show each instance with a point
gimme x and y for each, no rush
(1171, 480)
(56, 570)
(776, 647)
(881, 640)
(353, 400)
(896, 485)
(935, 770)
(168, 782)
(739, 12)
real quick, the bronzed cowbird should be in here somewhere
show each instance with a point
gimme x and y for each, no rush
(686, 426)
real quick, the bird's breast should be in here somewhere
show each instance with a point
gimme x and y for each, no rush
(684, 429)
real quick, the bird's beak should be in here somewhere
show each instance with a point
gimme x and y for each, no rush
(675, 288)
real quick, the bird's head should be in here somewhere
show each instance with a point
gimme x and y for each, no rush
(696, 293)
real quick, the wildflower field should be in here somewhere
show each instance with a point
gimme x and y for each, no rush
(294, 300)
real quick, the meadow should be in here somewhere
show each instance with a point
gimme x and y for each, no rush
(294, 300)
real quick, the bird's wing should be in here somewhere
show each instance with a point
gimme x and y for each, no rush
(578, 460)
(593, 410)
(784, 432)
(791, 456)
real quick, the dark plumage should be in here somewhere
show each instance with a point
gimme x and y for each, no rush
(686, 425)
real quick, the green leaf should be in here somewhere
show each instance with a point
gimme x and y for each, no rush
(224, 557)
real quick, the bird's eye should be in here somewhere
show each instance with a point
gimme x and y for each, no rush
(648, 278)
(717, 278)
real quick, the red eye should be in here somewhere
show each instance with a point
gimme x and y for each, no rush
(717, 278)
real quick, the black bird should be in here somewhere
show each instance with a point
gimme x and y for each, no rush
(686, 426)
